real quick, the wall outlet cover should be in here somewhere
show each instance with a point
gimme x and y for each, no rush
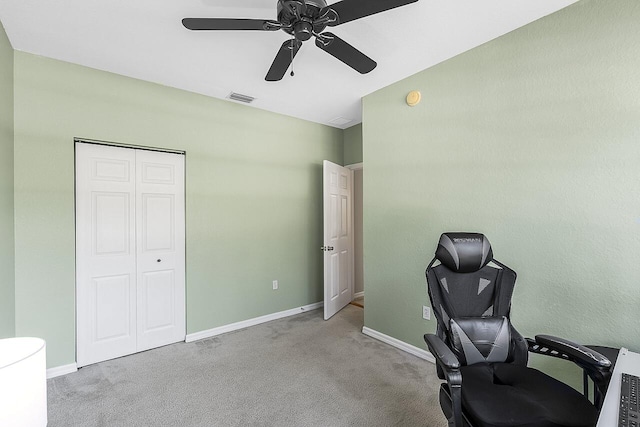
(275, 285)
(426, 312)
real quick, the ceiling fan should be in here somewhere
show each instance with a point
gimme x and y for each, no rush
(303, 19)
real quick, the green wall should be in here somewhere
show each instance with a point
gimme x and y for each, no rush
(353, 145)
(7, 296)
(534, 140)
(254, 194)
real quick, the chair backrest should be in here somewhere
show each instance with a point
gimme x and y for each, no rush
(471, 300)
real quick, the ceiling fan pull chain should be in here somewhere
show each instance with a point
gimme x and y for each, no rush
(293, 46)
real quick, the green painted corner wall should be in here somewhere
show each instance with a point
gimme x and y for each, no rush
(7, 288)
(353, 145)
(534, 140)
(253, 194)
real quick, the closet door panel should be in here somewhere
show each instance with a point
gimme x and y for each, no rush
(160, 249)
(105, 253)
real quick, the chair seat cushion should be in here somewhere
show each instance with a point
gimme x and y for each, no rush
(509, 395)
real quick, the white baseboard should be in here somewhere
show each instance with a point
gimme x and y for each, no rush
(250, 322)
(411, 349)
(358, 295)
(61, 370)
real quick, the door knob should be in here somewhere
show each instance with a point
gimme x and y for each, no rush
(326, 248)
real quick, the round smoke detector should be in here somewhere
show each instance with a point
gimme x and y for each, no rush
(413, 98)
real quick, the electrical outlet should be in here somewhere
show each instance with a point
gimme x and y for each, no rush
(426, 312)
(275, 285)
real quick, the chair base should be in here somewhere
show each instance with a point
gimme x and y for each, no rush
(446, 406)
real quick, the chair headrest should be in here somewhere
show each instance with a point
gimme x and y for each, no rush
(464, 252)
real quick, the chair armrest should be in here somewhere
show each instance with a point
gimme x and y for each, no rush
(594, 364)
(451, 367)
(443, 354)
(569, 350)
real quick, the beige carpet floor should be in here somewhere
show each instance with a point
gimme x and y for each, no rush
(299, 371)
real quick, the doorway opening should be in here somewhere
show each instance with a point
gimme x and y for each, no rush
(358, 250)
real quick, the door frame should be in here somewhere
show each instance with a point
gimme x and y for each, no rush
(124, 145)
(356, 167)
(77, 140)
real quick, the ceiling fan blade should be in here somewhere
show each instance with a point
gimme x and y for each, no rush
(283, 60)
(230, 24)
(346, 53)
(349, 10)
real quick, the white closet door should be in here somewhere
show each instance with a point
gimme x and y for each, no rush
(160, 226)
(130, 251)
(106, 253)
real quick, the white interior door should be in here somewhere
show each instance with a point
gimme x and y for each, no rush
(105, 252)
(338, 237)
(160, 250)
(129, 215)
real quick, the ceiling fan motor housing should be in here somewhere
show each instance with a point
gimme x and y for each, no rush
(303, 29)
(298, 16)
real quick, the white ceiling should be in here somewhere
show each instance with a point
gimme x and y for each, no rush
(145, 39)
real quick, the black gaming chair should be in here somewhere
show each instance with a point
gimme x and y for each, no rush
(484, 359)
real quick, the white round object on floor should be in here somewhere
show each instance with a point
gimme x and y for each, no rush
(23, 382)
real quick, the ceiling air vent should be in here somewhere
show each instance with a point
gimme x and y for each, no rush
(241, 98)
(340, 121)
